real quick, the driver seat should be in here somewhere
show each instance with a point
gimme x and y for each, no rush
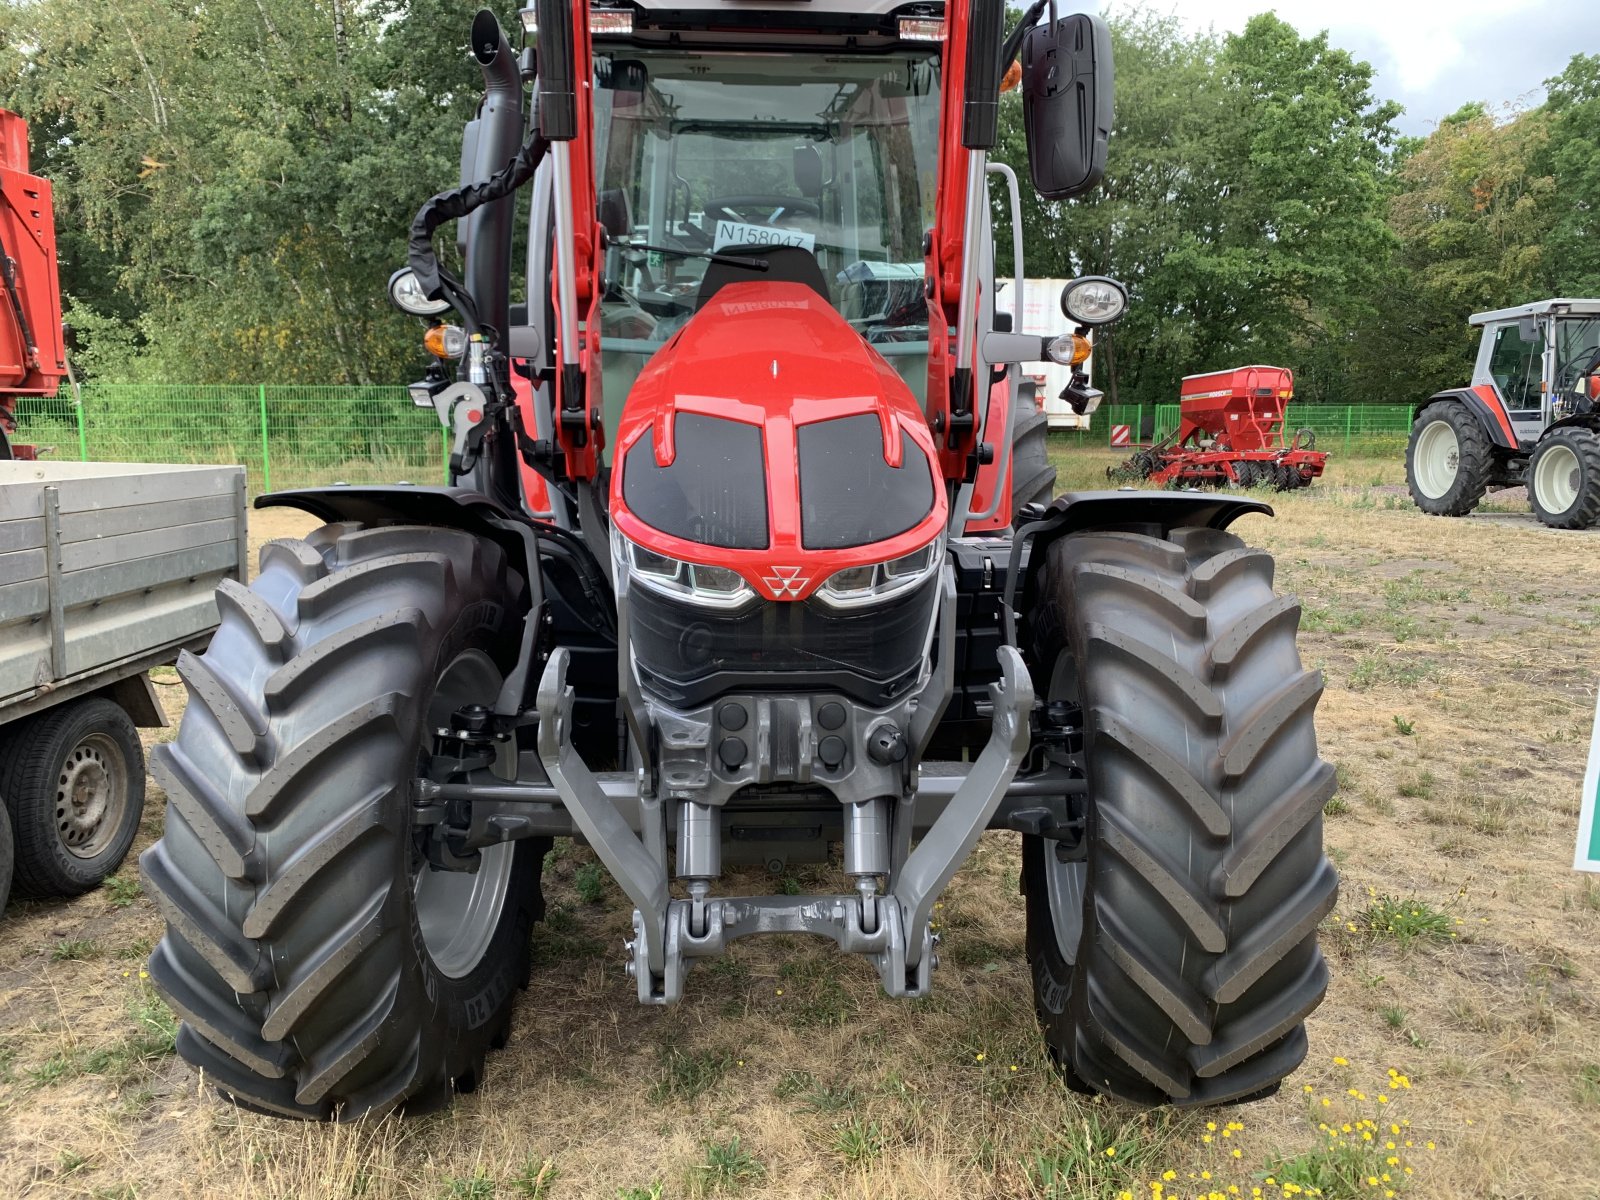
(785, 264)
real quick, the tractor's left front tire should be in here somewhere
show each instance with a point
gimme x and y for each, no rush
(1174, 954)
(321, 967)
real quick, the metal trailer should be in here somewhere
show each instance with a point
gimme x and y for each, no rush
(106, 570)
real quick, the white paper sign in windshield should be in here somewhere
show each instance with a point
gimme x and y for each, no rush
(737, 233)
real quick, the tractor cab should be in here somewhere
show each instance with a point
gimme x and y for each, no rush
(1531, 417)
(1539, 361)
(830, 161)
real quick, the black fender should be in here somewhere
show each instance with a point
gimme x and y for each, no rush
(447, 508)
(1491, 413)
(563, 579)
(1076, 512)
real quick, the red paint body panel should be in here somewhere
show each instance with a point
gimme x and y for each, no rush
(27, 227)
(1489, 396)
(949, 227)
(989, 478)
(583, 462)
(778, 356)
(1245, 405)
(535, 491)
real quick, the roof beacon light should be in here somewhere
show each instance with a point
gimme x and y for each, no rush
(922, 29)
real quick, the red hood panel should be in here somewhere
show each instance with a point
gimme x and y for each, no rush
(779, 356)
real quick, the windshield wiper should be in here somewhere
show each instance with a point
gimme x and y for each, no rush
(730, 260)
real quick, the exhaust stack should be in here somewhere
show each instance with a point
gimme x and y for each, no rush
(497, 139)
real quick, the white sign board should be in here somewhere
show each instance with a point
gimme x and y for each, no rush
(737, 233)
(1587, 857)
(1041, 314)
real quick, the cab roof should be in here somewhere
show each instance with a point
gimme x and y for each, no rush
(1561, 306)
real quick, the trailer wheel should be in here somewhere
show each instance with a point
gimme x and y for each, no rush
(1176, 960)
(320, 966)
(1448, 460)
(1564, 479)
(1247, 474)
(73, 779)
(1033, 479)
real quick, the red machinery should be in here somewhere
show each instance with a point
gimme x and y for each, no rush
(1231, 432)
(32, 347)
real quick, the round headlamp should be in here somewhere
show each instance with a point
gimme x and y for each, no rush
(1094, 300)
(406, 294)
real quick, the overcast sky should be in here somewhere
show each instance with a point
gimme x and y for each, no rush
(1431, 55)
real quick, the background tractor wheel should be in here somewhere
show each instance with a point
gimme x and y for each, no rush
(73, 780)
(1033, 479)
(320, 966)
(1564, 479)
(1448, 460)
(1176, 962)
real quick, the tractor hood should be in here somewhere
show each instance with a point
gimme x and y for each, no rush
(768, 437)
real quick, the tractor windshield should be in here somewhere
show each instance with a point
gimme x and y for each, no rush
(710, 152)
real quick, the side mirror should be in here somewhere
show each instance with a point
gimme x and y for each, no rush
(1067, 88)
(1528, 330)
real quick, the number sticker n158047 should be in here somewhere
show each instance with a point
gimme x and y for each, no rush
(737, 233)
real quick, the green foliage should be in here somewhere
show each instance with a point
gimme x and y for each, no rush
(590, 882)
(234, 182)
(728, 1168)
(685, 1074)
(1404, 921)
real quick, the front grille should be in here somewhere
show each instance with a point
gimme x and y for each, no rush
(689, 655)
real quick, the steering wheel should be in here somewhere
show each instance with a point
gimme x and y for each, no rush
(764, 209)
(1588, 367)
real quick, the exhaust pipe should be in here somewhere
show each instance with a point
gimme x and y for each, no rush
(499, 137)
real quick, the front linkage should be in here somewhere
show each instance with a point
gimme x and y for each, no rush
(892, 929)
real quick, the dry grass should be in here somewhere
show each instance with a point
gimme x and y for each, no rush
(1461, 683)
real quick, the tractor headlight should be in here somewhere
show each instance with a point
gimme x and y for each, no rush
(856, 587)
(711, 587)
(1094, 300)
(406, 294)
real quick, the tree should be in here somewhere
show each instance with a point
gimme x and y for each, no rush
(1243, 201)
(235, 180)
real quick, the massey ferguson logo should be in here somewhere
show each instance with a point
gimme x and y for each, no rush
(786, 582)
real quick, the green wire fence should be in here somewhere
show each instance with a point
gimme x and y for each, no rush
(286, 437)
(306, 436)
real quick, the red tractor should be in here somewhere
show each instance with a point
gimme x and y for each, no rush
(774, 594)
(1231, 432)
(33, 354)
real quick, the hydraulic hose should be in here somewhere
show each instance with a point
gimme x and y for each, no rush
(437, 282)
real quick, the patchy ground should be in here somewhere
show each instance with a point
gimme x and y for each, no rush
(1463, 1025)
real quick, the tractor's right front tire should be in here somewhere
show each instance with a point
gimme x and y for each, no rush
(1174, 954)
(1448, 460)
(321, 968)
(1564, 479)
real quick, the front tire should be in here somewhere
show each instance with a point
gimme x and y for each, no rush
(1177, 960)
(1564, 479)
(320, 966)
(1448, 460)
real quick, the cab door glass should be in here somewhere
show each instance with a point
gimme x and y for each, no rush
(1515, 366)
